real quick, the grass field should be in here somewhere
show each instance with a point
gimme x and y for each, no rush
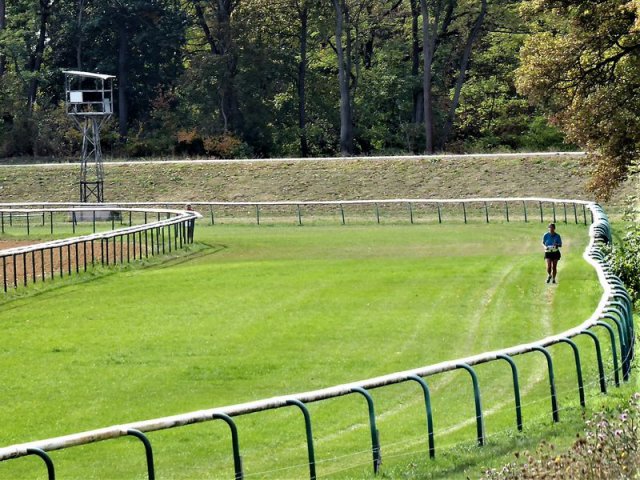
(252, 312)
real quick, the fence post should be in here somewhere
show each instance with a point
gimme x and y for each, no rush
(524, 206)
(516, 388)
(299, 214)
(51, 263)
(24, 268)
(147, 450)
(411, 213)
(553, 206)
(621, 335)
(42, 264)
(375, 443)
(51, 472)
(476, 396)
(342, 213)
(377, 213)
(464, 211)
(33, 266)
(237, 460)
(427, 402)
(612, 337)
(257, 214)
(4, 273)
(1, 222)
(309, 433)
(576, 355)
(603, 382)
(541, 213)
(552, 383)
(15, 272)
(486, 211)
(439, 213)
(506, 210)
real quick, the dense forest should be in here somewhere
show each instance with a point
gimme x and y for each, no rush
(272, 77)
(267, 78)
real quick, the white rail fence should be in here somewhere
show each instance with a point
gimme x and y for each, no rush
(613, 313)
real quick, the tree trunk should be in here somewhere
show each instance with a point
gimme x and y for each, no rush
(35, 61)
(79, 26)
(346, 128)
(428, 47)
(417, 113)
(464, 64)
(123, 82)
(3, 19)
(229, 98)
(302, 74)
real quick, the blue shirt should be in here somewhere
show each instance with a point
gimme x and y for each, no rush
(551, 240)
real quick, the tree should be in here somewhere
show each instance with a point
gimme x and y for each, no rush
(474, 32)
(344, 72)
(3, 22)
(35, 59)
(583, 67)
(220, 39)
(140, 41)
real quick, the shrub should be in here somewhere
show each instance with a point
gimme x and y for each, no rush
(226, 146)
(624, 256)
(609, 450)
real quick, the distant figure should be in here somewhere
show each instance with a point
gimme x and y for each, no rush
(552, 242)
(191, 225)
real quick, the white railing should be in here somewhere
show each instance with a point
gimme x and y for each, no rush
(614, 307)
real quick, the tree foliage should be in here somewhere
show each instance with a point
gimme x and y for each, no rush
(583, 68)
(269, 77)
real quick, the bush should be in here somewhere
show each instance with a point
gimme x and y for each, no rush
(624, 256)
(609, 450)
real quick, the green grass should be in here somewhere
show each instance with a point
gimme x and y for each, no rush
(347, 178)
(256, 312)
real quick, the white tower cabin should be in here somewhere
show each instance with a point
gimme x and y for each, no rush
(89, 101)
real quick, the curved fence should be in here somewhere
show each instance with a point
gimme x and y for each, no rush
(142, 232)
(614, 315)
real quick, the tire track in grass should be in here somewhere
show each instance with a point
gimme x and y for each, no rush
(539, 376)
(472, 334)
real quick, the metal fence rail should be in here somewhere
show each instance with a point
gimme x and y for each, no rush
(20, 266)
(467, 210)
(613, 314)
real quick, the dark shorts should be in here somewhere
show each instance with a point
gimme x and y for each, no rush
(552, 255)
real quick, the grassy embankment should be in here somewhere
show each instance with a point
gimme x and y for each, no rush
(88, 353)
(346, 179)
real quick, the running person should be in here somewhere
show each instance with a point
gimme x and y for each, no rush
(552, 242)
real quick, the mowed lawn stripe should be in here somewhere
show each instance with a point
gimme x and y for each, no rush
(277, 310)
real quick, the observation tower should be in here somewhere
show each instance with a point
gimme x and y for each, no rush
(89, 101)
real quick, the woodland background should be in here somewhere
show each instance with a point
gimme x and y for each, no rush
(283, 78)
